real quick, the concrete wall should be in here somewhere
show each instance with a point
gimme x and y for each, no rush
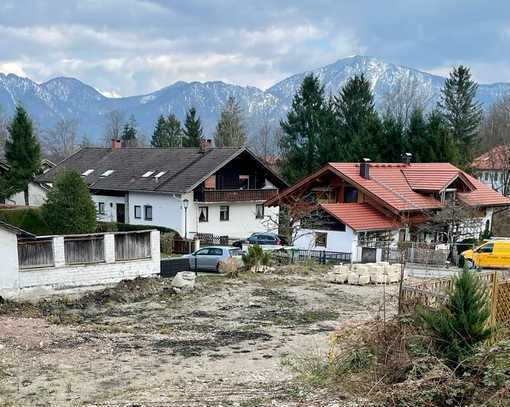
(241, 224)
(62, 275)
(9, 259)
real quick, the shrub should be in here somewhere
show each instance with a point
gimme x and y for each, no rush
(255, 258)
(29, 219)
(69, 207)
(230, 268)
(167, 242)
(461, 323)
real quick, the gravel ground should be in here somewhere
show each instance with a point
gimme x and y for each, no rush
(141, 344)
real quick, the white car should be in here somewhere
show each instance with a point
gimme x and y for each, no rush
(210, 258)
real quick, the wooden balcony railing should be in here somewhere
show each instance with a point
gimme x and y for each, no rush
(237, 195)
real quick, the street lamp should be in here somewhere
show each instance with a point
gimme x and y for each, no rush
(185, 203)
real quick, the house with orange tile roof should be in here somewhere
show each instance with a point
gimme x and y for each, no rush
(493, 168)
(368, 203)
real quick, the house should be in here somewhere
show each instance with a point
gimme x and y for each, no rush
(36, 190)
(362, 207)
(219, 191)
(493, 168)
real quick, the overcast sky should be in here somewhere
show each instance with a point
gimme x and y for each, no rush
(128, 47)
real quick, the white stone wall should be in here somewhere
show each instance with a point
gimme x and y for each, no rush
(62, 275)
(9, 259)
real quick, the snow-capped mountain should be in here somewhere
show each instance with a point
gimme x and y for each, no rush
(69, 98)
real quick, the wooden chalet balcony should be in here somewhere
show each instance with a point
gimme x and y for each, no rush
(238, 195)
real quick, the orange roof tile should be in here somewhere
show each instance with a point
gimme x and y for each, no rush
(360, 216)
(495, 159)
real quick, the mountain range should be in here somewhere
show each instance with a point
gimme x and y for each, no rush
(70, 98)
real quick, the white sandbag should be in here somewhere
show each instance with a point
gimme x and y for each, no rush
(353, 278)
(184, 280)
(364, 280)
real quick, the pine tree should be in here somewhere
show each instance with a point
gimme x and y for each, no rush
(192, 129)
(440, 139)
(230, 130)
(390, 143)
(69, 208)
(417, 140)
(23, 155)
(129, 133)
(461, 112)
(359, 121)
(167, 133)
(303, 129)
(461, 323)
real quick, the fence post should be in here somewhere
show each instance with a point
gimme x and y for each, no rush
(59, 254)
(109, 248)
(155, 246)
(494, 299)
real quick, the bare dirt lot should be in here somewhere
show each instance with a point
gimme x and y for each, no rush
(140, 344)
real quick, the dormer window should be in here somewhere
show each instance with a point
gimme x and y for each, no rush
(448, 195)
(88, 172)
(159, 174)
(147, 174)
(107, 173)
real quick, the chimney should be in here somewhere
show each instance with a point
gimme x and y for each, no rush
(364, 168)
(406, 158)
(205, 144)
(116, 143)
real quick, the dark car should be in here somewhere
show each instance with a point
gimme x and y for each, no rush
(265, 239)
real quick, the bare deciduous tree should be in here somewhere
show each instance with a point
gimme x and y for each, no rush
(114, 123)
(405, 97)
(61, 140)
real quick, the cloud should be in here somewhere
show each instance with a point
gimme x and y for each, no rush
(136, 46)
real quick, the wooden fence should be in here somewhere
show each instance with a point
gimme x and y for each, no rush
(84, 249)
(132, 246)
(35, 253)
(434, 292)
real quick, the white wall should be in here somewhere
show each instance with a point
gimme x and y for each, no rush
(110, 208)
(36, 196)
(241, 224)
(336, 241)
(167, 210)
(9, 258)
(492, 178)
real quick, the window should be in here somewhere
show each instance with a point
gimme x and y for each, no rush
(486, 248)
(210, 183)
(159, 174)
(203, 214)
(321, 239)
(259, 211)
(224, 215)
(148, 212)
(486, 176)
(236, 253)
(214, 251)
(202, 252)
(147, 174)
(244, 181)
(138, 212)
(350, 194)
(106, 173)
(100, 208)
(88, 172)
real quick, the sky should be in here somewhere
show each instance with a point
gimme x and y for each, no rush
(130, 47)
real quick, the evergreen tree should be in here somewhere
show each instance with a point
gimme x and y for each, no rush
(167, 133)
(69, 208)
(192, 129)
(440, 138)
(461, 323)
(390, 143)
(23, 155)
(461, 112)
(359, 121)
(230, 130)
(303, 129)
(417, 138)
(129, 133)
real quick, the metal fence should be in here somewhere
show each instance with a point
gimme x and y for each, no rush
(35, 253)
(132, 246)
(84, 249)
(319, 256)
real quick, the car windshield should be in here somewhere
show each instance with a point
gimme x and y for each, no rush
(235, 252)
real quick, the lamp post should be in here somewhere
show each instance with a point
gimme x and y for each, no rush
(185, 203)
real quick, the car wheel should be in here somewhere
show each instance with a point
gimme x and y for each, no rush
(218, 267)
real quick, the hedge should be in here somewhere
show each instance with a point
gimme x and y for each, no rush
(124, 227)
(28, 219)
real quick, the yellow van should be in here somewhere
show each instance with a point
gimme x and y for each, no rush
(493, 254)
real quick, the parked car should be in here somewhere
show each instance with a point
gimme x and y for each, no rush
(210, 258)
(493, 254)
(262, 239)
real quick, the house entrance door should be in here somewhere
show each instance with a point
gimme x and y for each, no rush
(121, 213)
(368, 254)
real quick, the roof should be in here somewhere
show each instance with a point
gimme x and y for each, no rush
(401, 187)
(360, 216)
(13, 229)
(179, 169)
(497, 158)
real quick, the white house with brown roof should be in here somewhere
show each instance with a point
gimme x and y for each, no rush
(366, 203)
(219, 191)
(493, 168)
